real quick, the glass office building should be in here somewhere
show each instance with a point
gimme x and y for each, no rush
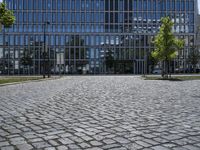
(91, 36)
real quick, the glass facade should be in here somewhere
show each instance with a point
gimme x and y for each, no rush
(91, 36)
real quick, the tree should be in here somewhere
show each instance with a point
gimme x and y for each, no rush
(74, 49)
(75, 42)
(7, 17)
(152, 62)
(109, 59)
(194, 57)
(26, 60)
(166, 45)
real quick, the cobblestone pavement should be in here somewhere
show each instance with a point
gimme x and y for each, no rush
(100, 112)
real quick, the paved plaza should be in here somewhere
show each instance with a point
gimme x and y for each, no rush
(100, 113)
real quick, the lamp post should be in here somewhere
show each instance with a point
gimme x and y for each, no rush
(44, 52)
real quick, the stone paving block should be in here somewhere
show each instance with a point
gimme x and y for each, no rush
(121, 140)
(24, 147)
(179, 148)
(197, 144)
(142, 143)
(94, 148)
(55, 132)
(109, 141)
(90, 133)
(7, 148)
(35, 140)
(62, 147)
(133, 146)
(119, 148)
(53, 142)
(191, 147)
(84, 145)
(110, 136)
(2, 139)
(152, 142)
(65, 141)
(29, 136)
(172, 137)
(14, 131)
(98, 137)
(109, 146)
(161, 140)
(169, 145)
(50, 148)
(86, 138)
(65, 135)
(79, 134)
(195, 138)
(50, 137)
(76, 139)
(73, 146)
(5, 143)
(96, 143)
(40, 145)
(159, 148)
(123, 112)
(147, 149)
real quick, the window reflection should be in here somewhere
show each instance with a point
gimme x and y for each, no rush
(85, 30)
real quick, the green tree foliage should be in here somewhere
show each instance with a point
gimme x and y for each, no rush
(166, 45)
(7, 17)
(194, 57)
(152, 61)
(74, 43)
(109, 59)
(74, 49)
(26, 60)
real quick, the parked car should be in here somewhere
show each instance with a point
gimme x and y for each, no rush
(157, 71)
(179, 70)
(184, 70)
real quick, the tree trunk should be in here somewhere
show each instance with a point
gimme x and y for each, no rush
(169, 74)
(166, 69)
(194, 68)
(114, 67)
(163, 70)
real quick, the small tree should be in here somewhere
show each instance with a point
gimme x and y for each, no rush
(166, 45)
(152, 62)
(7, 17)
(194, 57)
(26, 60)
(109, 59)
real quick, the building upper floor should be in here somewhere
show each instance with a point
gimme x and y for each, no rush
(102, 5)
(101, 16)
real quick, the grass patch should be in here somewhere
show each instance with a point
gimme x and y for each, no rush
(4, 80)
(175, 78)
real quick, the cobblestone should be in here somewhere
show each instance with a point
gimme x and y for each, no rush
(95, 143)
(62, 147)
(7, 148)
(100, 113)
(24, 147)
